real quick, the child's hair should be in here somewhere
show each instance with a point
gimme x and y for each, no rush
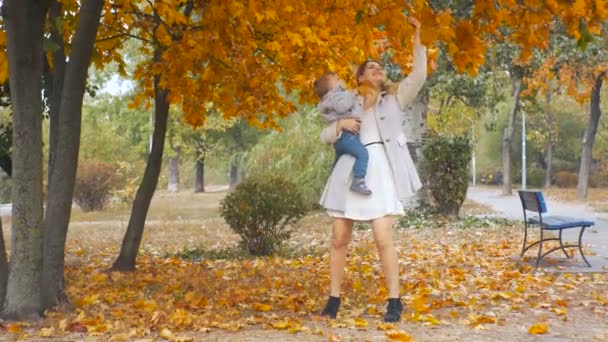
(322, 84)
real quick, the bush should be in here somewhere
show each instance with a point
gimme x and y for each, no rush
(446, 170)
(599, 179)
(535, 177)
(94, 182)
(262, 210)
(565, 179)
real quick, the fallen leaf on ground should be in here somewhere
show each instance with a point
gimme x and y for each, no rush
(538, 329)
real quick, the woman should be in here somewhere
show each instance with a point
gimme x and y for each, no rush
(391, 176)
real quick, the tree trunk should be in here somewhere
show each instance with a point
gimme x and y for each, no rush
(173, 183)
(199, 180)
(507, 138)
(415, 127)
(236, 170)
(63, 172)
(3, 266)
(589, 139)
(135, 229)
(549, 154)
(24, 24)
(53, 83)
(236, 173)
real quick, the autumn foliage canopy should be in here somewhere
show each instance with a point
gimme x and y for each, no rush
(243, 57)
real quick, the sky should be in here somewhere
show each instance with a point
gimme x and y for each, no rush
(117, 85)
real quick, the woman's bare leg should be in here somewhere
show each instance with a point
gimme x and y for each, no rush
(342, 232)
(383, 236)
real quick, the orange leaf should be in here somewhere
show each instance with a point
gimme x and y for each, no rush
(261, 307)
(398, 335)
(538, 329)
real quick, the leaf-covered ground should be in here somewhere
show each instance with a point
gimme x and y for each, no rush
(459, 282)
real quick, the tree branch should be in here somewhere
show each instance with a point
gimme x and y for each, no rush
(121, 33)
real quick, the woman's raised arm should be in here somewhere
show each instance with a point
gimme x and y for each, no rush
(411, 85)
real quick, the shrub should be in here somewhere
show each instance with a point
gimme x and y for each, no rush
(94, 182)
(446, 170)
(599, 179)
(262, 210)
(565, 179)
(535, 177)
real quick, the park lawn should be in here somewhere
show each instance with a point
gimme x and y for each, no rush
(459, 283)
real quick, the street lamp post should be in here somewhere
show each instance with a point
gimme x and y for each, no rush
(523, 150)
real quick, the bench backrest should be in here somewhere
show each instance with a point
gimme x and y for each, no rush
(533, 201)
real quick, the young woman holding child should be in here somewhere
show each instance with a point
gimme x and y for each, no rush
(391, 175)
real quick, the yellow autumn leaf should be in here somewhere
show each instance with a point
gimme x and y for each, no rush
(386, 326)
(46, 332)
(560, 311)
(261, 307)
(398, 335)
(360, 323)
(281, 325)
(167, 334)
(419, 304)
(538, 329)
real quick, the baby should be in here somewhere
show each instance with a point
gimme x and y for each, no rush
(339, 103)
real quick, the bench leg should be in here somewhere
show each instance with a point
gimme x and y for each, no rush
(561, 244)
(540, 247)
(523, 249)
(580, 246)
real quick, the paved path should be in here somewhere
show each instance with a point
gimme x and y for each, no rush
(509, 207)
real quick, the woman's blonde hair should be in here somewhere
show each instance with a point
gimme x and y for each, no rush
(387, 86)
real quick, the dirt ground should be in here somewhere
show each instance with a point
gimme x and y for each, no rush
(438, 258)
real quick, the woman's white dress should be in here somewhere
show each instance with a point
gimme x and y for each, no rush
(384, 199)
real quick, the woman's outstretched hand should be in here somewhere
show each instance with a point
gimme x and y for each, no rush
(414, 22)
(417, 25)
(350, 125)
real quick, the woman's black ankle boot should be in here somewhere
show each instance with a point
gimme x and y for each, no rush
(331, 308)
(393, 310)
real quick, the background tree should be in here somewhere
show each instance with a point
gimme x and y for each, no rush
(155, 22)
(580, 66)
(198, 142)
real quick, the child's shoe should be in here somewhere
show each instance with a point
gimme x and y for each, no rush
(359, 187)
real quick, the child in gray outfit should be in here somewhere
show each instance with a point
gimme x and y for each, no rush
(339, 103)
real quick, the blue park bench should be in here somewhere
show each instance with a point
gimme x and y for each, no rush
(533, 201)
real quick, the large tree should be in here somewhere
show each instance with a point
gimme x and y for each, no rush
(24, 22)
(64, 83)
(67, 84)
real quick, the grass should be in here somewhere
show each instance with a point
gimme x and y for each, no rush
(188, 225)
